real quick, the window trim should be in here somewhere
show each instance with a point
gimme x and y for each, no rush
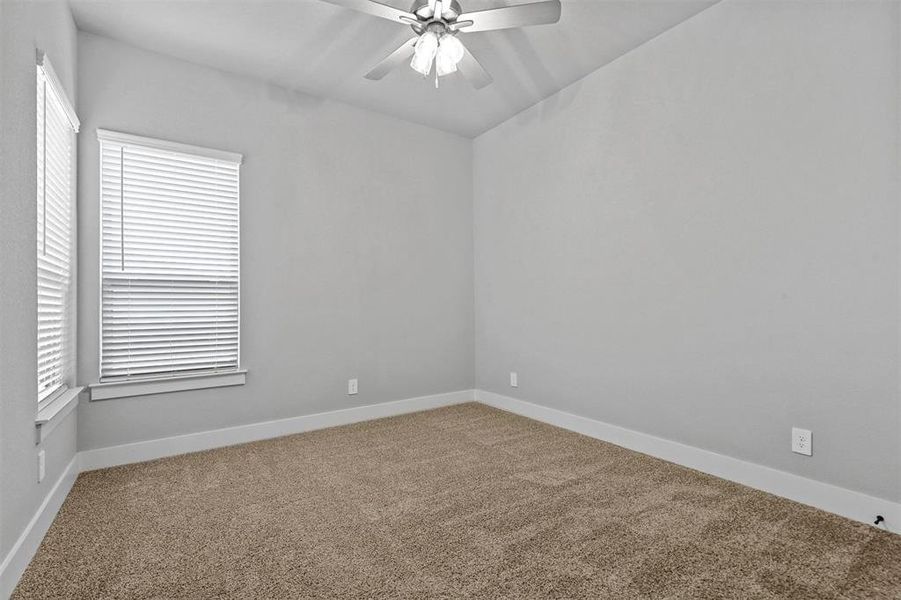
(44, 62)
(54, 412)
(106, 135)
(127, 388)
(55, 86)
(116, 387)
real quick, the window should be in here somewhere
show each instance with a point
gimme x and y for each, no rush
(56, 128)
(169, 260)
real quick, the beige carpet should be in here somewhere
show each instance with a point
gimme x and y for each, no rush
(459, 502)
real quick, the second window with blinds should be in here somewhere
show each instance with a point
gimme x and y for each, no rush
(170, 272)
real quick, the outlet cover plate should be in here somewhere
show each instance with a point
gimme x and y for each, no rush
(802, 441)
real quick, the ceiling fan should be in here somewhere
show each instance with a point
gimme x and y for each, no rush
(437, 23)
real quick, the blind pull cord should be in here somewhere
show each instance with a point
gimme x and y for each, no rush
(122, 206)
(44, 176)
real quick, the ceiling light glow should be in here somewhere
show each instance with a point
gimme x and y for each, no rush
(450, 52)
(445, 51)
(424, 53)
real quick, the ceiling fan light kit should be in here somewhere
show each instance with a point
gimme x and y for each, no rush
(437, 24)
(424, 52)
(450, 53)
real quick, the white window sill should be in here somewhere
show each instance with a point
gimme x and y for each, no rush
(54, 413)
(161, 385)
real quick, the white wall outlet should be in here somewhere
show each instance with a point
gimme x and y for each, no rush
(41, 465)
(351, 387)
(802, 441)
(514, 379)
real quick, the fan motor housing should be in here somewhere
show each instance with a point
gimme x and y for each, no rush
(450, 13)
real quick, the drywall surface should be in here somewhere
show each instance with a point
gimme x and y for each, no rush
(24, 28)
(700, 240)
(356, 257)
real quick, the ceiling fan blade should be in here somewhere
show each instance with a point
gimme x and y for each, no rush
(473, 71)
(520, 15)
(378, 9)
(396, 58)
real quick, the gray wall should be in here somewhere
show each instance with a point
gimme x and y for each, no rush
(700, 240)
(355, 262)
(25, 26)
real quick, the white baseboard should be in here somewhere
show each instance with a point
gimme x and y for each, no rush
(23, 550)
(831, 498)
(111, 456)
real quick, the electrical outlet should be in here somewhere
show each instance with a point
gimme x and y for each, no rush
(351, 387)
(41, 464)
(514, 379)
(802, 441)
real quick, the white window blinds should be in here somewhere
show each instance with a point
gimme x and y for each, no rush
(170, 258)
(56, 127)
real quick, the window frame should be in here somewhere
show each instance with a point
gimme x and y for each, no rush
(125, 386)
(45, 74)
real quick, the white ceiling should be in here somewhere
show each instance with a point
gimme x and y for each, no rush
(324, 50)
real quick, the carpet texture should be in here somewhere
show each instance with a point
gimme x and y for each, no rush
(458, 502)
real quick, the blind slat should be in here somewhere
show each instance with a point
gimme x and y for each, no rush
(55, 205)
(170, 262)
